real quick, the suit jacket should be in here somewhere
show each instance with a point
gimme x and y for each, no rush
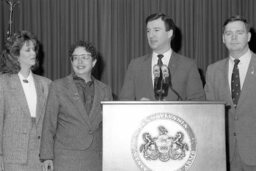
(67, 125)
(15, 118)
(185, 79)
(241, 121)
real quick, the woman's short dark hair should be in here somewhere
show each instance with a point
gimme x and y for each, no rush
(86, 45)
(9, 60)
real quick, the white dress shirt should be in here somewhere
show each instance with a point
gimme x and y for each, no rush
(165, 60)
(242, 66)
(30, 92)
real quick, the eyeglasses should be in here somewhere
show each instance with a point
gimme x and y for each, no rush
(83, 57)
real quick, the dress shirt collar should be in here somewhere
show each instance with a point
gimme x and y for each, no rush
(243, 59)
(29, 78)
(165, 59)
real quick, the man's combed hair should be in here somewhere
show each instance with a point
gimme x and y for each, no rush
(169, 24)
(237, 18)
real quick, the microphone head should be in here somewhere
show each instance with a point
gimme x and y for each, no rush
(156, 71)
(165, 71)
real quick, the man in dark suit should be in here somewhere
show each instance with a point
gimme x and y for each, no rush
(72, 127)
(233, 80)
(185, 82)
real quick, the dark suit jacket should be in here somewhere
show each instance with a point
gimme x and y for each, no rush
(242, 120)
(15, 118)
(184, 75)
(67, 125)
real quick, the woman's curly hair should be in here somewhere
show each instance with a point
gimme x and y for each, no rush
(86, 45)
(9, 59)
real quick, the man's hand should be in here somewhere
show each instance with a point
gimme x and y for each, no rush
(48, 165)
(145, 99)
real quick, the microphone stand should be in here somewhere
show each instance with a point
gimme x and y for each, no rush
(177, 94)
(174, 91)
(161, 90)
(158, 89)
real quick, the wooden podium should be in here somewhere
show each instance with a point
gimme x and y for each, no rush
(163, 136)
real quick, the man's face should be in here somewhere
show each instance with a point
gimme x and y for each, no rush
(158, 38)
(236, 37)
(82, 61)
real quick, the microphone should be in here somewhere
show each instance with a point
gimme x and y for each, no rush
(165, 73)
(157, 81)
(156, 71)
(167, 82)
(165, 79)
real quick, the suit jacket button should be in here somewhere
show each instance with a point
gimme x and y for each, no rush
(39, 137)
(234, 134)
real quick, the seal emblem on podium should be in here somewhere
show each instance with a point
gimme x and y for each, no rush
(163, 141)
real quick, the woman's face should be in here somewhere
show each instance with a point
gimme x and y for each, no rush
(27, 56)
(82, 61)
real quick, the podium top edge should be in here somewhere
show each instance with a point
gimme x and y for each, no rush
(162, 102)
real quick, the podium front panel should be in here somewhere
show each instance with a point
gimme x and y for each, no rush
(164, 136)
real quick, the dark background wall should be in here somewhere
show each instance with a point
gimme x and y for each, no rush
(117, 29)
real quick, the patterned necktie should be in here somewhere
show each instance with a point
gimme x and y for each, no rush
(160, 62)
(235, 83)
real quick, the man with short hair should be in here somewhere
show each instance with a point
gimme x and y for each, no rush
(233, 80)
(183, 81)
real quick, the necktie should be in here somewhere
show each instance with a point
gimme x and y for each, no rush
(158, 89)
(235, 83)
(160, 62)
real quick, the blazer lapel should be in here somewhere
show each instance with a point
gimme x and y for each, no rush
(249, 81)
(19, 94)
(226, 88)
(96, 100)
(148, 75)
(173, 63)
(72, 90)
(40, 98)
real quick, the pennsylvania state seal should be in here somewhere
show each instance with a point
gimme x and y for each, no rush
(162, 142)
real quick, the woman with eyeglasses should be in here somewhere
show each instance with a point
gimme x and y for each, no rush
(23, 97)
(72, 128)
